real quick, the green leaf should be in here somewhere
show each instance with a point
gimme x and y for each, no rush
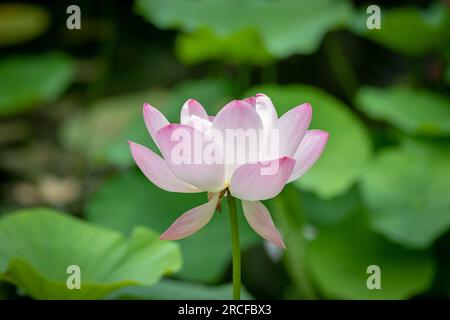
(38, 245)
(329, 211)
(348, 148)
(341, 254)
(27, 82)
(168, 289)
(130, 199)
(21, 22)
(415, 111)
(242, 47)
(286, 27)
(406, 190)
(297, 214)
(409, 30)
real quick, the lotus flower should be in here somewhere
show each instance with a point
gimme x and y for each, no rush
(297, 149)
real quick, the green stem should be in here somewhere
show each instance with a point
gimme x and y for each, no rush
(235, 247)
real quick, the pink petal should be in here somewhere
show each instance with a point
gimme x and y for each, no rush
(192, 108)
(237, 117)
(259, 219)
(308, 152)
(154, 120)
(250, 100)
(260, 181)
(191, 221)
(157, 171)
(187, 159)
(292, 127)
(266, 111)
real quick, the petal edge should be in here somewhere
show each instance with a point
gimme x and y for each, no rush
(258, 217)
(308, 152)
(157, 171)
(191, 221)
(256, 181)
(154, 120)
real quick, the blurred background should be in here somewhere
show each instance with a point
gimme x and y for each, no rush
(70, 193)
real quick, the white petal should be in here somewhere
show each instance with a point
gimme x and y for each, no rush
(200, 124)
(192, 108)
(266, 111)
